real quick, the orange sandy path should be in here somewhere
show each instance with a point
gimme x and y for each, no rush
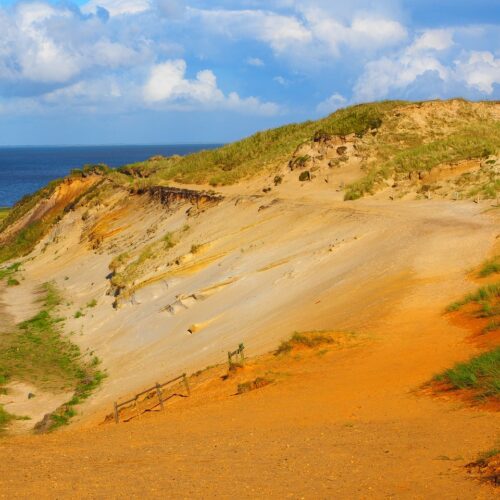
(344, 425)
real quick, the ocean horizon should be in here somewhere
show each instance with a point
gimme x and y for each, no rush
(25, 169)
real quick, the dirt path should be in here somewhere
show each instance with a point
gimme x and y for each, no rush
(345, 425)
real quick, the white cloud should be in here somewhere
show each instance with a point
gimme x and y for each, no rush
(440, 39)
(480, 70)
(117, 7)
(474, 70)
(279, 31)
(255, 61)
(384, 75)
(309, 33)
(331, 104)
(167, 84)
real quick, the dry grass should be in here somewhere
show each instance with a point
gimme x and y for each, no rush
(309, 340)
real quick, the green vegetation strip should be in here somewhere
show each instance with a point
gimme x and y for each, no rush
(490, 267)
(37, 352)
(4, 212)
(481, 373)
(484, 295)
(233, 162)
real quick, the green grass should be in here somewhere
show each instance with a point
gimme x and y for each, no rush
(484, 295)
(24, 241)
(37, 352)
(263, 150)
(25, 204)
(7, 272)
(481, 373)
(491, 266)
(398, 153)
(4, 212)
(309, 339)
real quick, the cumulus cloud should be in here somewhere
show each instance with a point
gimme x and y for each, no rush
(426, 56)
(307, 33)
(479, 70)
(279, 31)
(398, 71)
(331, 104)
(167, 84)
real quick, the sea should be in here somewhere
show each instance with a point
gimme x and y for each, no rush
(25, 169)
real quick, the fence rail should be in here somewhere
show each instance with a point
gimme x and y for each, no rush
(157, 388)
(237, 354)
(233, 354)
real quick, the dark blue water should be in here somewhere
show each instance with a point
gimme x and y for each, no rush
(24, 170)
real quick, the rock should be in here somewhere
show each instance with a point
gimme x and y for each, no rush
(341, 150)
(305, 176)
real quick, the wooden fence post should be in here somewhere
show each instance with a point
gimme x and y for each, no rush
(186, 383)
(160, 397)
(229, 361)
(117, 417)
(241, 349)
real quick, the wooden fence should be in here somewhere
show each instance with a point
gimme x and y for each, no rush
(159, 393)
(233, 354)
(237, 355)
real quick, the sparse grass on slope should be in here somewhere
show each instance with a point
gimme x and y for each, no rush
(491, 266)
(4, 212)
(485, 295)
(308, 339)
(481, 373)
(233, 162)
(37, 352)
(397, 152)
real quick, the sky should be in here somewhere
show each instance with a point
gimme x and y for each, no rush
(192, 71)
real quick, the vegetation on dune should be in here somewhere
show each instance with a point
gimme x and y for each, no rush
(24, 241)
(486, 299)
(481, 373)
(491, 266)
(486, 296)
(4, 212)
(397, 153)
(308, 339)
(253, 384)
(37, 352)
(25, 204)
(233, 162)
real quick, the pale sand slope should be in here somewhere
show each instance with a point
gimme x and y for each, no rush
(299, 264)
(350, 427)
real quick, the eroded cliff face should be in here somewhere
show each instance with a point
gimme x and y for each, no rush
(178, 276)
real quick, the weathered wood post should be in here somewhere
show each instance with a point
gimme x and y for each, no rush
(241, 348)
(186, 383)
(117, 417)
(229, 361)
(160, 396)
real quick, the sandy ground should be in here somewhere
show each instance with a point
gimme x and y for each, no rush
(347, 424)
(350, 426)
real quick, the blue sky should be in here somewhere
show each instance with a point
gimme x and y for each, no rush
(167, 71)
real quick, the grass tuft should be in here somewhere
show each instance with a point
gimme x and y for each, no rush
(309, 339)
(481, 373)
(254, 384)
(491, 266)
